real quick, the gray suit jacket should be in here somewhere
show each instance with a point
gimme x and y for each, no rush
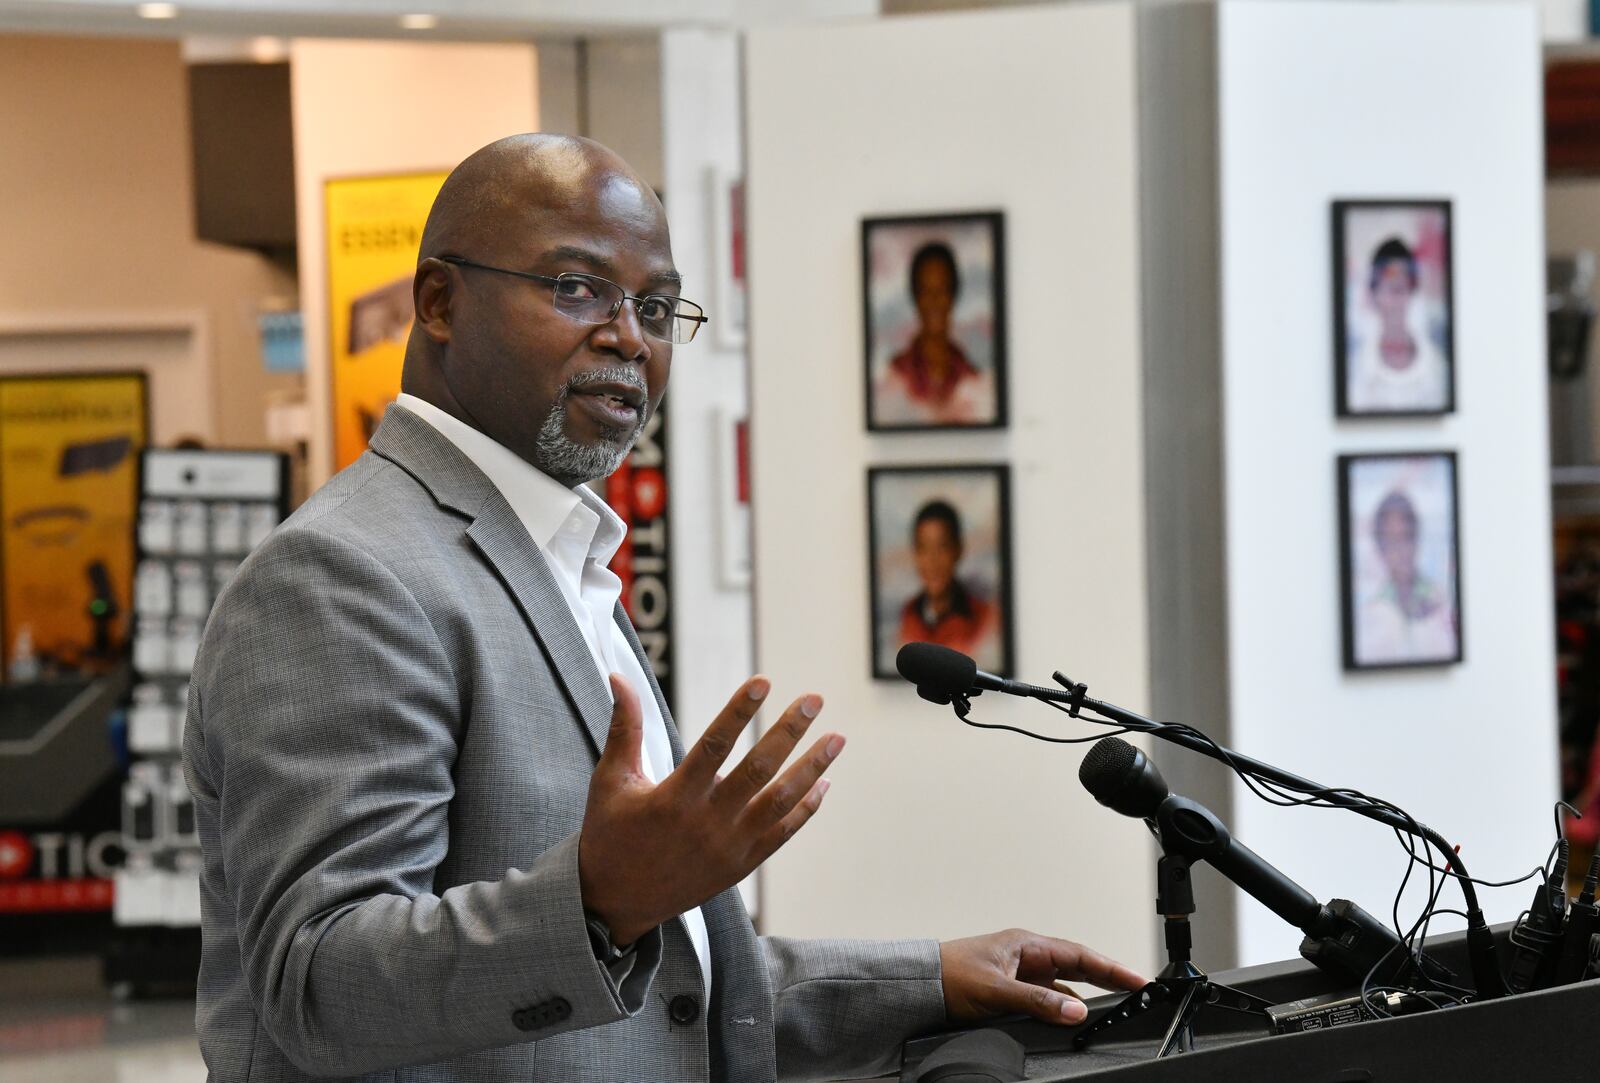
(392, 725)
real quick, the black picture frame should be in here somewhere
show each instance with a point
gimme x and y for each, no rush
(1369, 619)
(984, 574)
(886, 288)
(1347, 405)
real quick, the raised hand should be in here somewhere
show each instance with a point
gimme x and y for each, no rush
(648, 852)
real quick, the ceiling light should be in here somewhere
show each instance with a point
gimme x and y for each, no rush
(157, 11)
(419, 21)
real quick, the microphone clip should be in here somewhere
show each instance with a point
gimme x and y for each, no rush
(1075, 691)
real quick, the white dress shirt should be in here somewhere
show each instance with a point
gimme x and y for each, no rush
(578, 535)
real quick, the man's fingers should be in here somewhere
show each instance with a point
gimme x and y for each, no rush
(785, 829)
(784, 796)
(1074, 961)
(762, 762)
(701, 762)
(625, 739)
(1040, 1002)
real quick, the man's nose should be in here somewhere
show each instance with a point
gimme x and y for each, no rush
(623, 335)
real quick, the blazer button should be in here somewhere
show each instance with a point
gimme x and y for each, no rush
(684, 1010)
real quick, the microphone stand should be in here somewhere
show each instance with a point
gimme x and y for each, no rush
(1180, 980)
(1487, 978)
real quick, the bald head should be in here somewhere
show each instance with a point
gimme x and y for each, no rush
(511, 183)
(494, 346)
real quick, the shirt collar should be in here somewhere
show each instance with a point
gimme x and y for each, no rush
(542, 503)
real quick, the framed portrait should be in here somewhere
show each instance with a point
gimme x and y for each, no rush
(1400, 559)
(726, 194)
(940, 559)
(935, 327)
(1393, 315)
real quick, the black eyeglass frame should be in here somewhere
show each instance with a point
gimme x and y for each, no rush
(554, 280)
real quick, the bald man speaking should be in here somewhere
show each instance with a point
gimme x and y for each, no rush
(450, 832)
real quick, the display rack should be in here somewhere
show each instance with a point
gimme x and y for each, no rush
(200, 514)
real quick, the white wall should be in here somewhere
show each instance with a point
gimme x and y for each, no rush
(1564, 20)
(932, 828)
(701, 136)
(369, 107)
(1305, 117)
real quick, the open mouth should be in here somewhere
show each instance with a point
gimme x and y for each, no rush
(613, 407)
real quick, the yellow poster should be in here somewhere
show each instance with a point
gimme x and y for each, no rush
(374, 230)
(69, 471)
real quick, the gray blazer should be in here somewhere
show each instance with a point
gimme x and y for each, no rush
(392, 724)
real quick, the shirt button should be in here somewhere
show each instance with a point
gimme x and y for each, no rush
(684, 1010)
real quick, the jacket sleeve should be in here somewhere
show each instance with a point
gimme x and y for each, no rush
(843, 1008)
(328, 715)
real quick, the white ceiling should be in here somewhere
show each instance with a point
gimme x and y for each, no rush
(458, 19)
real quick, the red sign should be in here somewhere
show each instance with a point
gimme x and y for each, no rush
(55, 896)
(637, 492)
(16, 855)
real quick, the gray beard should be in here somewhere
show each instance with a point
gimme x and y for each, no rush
(572, 463)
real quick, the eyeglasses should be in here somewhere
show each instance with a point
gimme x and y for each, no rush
(594, 300)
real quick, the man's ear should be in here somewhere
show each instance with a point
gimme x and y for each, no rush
(430, 296)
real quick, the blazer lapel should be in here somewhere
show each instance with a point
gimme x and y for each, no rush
(455, 482)
(504, 543)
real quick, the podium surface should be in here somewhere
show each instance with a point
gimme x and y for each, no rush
(1550, 1031)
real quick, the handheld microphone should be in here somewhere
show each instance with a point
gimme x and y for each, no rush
(1340, 938)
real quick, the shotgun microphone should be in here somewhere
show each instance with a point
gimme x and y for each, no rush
(942, 674)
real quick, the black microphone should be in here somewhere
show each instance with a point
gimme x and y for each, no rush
(939, 673)
(1340, 937)
(942, 674)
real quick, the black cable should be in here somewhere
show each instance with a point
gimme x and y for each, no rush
(1286, 796)
(1038, 736)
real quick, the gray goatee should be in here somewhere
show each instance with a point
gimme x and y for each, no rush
(572, 463)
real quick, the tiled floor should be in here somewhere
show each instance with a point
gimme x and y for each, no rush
(81, 1035)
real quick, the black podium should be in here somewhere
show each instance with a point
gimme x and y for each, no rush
(1550, 1034)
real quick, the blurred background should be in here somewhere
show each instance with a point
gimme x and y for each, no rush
(1173, 274)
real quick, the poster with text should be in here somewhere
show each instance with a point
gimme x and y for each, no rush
(637, 492)
(69, 454)
(374, 229)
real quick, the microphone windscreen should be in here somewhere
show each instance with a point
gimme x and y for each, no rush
(1104, 770)
(1122, 778)
(937, 669)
